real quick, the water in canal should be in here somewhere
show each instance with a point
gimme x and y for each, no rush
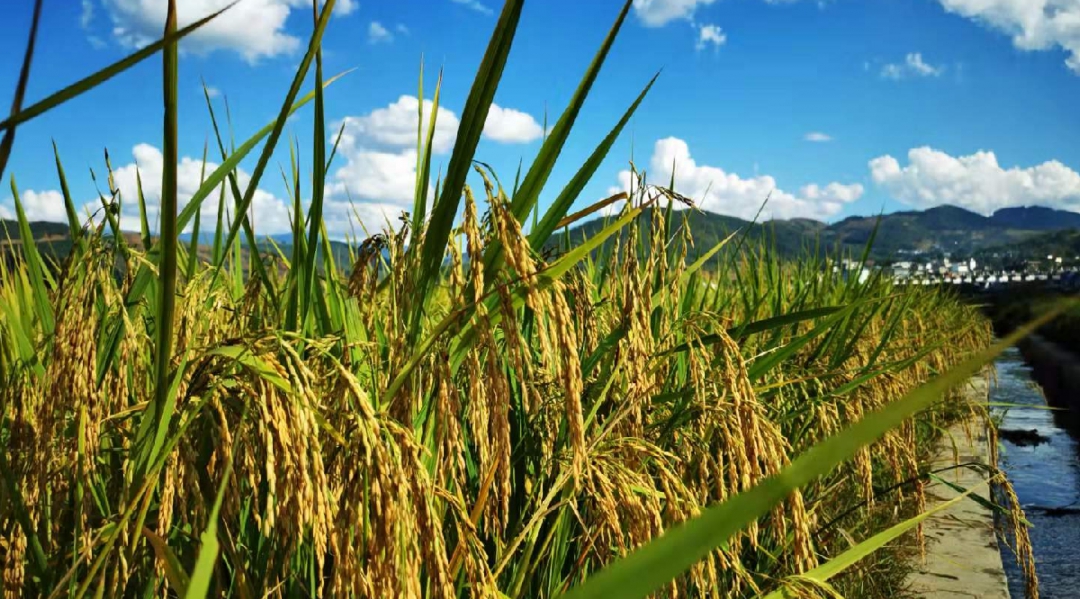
(1046, 475)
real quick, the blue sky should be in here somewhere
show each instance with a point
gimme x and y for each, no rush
(834, 108)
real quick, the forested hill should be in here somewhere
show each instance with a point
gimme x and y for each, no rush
(943, 229)
(939, 229)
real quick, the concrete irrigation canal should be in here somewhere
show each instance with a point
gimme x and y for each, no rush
(1039, 453)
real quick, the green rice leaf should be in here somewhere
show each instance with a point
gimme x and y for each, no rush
(845, 560)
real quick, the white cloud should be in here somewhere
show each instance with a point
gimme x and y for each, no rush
(913, 66)
(833, 192)
(1032, 24)
(402, 29)
(212, 91)
(254, 28)
(379, 152)
(87, 14)
(715, 190)
(507, 125)
(269, 214)
(976, 182)
(710, 34)
(475, 5)
(350, 219)
(395, 126)
(38, 205)
(377, 175)
(818, 137)
(657, 13)
(377, 33)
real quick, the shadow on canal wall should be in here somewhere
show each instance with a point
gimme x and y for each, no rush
(1053, 351)
(1057, 370)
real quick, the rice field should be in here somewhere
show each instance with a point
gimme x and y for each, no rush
(476, 405)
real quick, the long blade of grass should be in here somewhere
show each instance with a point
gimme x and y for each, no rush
(158, 412)
(20, 88)
(473, 118)
(538, 173)
(279, 125)
(258, 267)
(308, 272)
(74, 224)
(849, 558)
(558, 209)
(90, 82)
(758, 326)
(589, 210)
(201, 576)
(769, 361)
(39, 275)
(174, 571)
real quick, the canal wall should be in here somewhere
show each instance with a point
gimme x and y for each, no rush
(1057, 371)
(962, 555)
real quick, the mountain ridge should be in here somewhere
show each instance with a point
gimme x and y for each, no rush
(938, 229)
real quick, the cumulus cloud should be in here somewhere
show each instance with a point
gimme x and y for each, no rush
(716, 190)
(657, 13)
(507, 125)
(817, 137)
(376, 175)
(913, 66)
(710, 35)
(976, 181)
(1032, 24)
(87, 15)
(475, 5)
(379, 152)
(269, 214)
(254, 28)
(395, 126)
(38, 205)
(377, 33)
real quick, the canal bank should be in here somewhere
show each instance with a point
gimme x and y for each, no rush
(962, 556)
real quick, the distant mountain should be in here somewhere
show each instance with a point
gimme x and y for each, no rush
(41, 230)
(942, 228)
(935, 230)
(1064, 243)
(788, 236)
(1031, 229)
(1036, 218)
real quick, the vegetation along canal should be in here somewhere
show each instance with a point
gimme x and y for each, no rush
(1040, 455)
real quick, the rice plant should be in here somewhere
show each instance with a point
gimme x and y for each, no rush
(471, 407)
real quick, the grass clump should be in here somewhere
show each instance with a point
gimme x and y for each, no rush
(456, 412)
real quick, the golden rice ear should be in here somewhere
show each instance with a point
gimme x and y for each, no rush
(1021, 540)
